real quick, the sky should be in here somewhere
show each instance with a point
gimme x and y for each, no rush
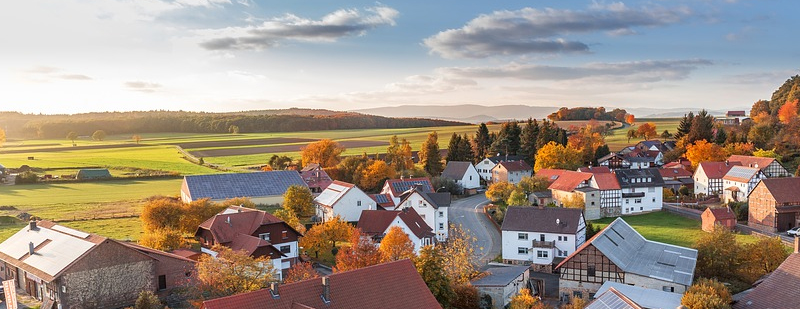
(76, 56)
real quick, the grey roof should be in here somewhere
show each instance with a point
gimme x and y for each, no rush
(226, 186)
(626, 177)
(647, 298)
(543, 220)
(634, 254)
(586, 189)
(441, 199)
(497, 159)
(612, 299)
(456, 169)
(543, 194)
(500, 276)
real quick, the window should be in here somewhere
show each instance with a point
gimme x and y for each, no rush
(522, 236)
(654, 200)
(264, 236)
(590, 271)
(637, 201)
(641, 208)
(627, 201)
(541, 237)
(358, 203)
(470, 177)
(284, 235)
(668, 289)
(651, 189)
(592, 202)
(541, 254)
(162, 282)
(441, 214)
(286, 249)
(522, 250)
(577, 294)
(441, 226)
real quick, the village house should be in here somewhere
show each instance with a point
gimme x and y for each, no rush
(774, 205)
(676, 177)
(315, 177)
(642, 190)
(614, 161)
(344, 200)
(256, 232)
(486, 165)
(738, 182)
(571, 187)
(501, 283)
(620, 254)
(464, 174)
(376, 224)
(540, 198)
(770, 166)
(610, 194)
(778, 289)
(615, 295)
(382, 201)
(69, 269)
(594, 169)
(259, 187)
(511, 171)
(396, 187)
(732, 118)
(431, 206)
(540, 236)
(722, 216)
(393, 285)
(708, 177)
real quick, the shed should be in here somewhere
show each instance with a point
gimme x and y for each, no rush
(93, 173)
(721, 215)
(502, 283)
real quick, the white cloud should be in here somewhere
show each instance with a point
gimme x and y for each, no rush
(47, 74)
(338, 24)
(530, 30)
(141, 86)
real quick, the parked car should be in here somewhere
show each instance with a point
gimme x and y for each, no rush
(795, 231)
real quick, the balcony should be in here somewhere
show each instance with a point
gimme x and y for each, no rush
(543, 244)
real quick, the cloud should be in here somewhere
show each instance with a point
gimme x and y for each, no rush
(46, 74)
(769, 78)
(338, 24)
(140, 86)
(529, 30)
(633, 71)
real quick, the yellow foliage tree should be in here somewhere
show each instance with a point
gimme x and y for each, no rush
(396, 245)
(194, 213)
(647, 130)
(361, 253)
(574, 200)
(557, 156)
(232, 272)
(291, 219)
(239, 201)
(518, 198)
(499, 191)
(702, 151)
(300, 200)
(163, 239)
(373, 176)
(162, 213)
(586, 140)
(458, 253)
(323, 236)
(745, 149)
(523, 300)
(2, 137)
(325, 152)
(760, 258)
(707, 294)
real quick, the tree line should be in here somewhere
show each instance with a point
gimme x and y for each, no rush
(588, 113)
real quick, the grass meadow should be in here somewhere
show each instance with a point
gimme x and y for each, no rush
(618, 139)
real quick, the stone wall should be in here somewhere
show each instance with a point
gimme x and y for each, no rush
(108, 287)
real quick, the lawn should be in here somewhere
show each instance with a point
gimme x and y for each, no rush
(116, 228)
(668, 228)
(69, 201)
(618, 139)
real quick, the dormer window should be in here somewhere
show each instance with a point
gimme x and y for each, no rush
(264, 236)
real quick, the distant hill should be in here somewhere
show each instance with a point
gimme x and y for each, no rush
(480, 113)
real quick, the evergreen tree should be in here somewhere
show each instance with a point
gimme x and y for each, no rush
(453, 150)
(602, 151)
(547, 133)
(429, 155)
(721, 136)
(684, 126)
(527, 139)
(702, 128)
(429, 265)
(508, 140)
(562, 136)
(465, 148)
(482, 142)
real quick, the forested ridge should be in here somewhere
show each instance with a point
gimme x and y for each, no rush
(57, 126)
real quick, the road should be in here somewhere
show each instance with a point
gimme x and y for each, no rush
(468, 212)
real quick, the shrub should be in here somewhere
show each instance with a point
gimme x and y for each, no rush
(26, 177)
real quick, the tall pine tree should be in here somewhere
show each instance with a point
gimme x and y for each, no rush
(482, 142)
(454, 153)
(528, 141)
(465, 149)
(684, 126)
(429, 155)
(508, 139)
(702, 128)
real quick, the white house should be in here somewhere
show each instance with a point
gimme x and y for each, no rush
(486, 165)
(511, 171)
(464, 173)
(533, 235)
(342, 199)
(708, 177)
(432, 207)
(769, 166)
(642, 190)
(376, 224)
(739, 182)
(396, 187)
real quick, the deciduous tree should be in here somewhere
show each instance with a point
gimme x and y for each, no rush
(499, 191)
(788, 112)
(518, 198)
(324, 152)
(766, 153)
(396, 245)
(136, 138)
(196, 212)
(717, 254)
(148, 300)
(707, 294)
(99, 135)
(163, 239)
(458, 252)
(398, 154)
(2, 137)
(232, 272)
(361, 253)
(72, 135)
(279, 163)
(523, 300)
(299, 272)
(760, 258)
(574, 200)
(288, 216)
(745, 149)
(162, 213)
(630, 119)
(466, 297)
(300, 200)
(375, 173)
(429, 155)
(323, 236)
(647, 130)
(702, 151)
(233, 129)
(631, 134)
(429, 265)
(533, 184)
(557, 156)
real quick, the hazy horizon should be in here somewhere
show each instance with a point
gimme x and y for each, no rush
(73, 56)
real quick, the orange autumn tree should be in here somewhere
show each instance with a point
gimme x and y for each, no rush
(744, 149)
(788, 112)
(630, 119)
(299, 272)
(373, 176)
(396, 245)
(361, 253)
(232, 272)
(702, 151)
(325, 152)
(586, 140)
(647, 130)
(554, 155)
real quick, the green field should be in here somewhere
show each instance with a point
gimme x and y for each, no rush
(116, 228)
(618, 140)
(668, 228)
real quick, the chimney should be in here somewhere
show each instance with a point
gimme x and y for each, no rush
(326, 290)
(726, 162)
(30, 247)
(796, 244)
(273, 290)
(33, 226)
(228, 220)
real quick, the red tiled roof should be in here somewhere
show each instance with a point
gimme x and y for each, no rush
(594, 169)
(779, 290)
(783, 190)
(376, 222)
(550, 174)
(569, 181)
(722, 213)
(393, 285)
(247, 243)
(187, 253)
(675, 173)
(240, 220)
(316, 178)
(750, 161)
(607, 181)
(515, 166)
(716, 170)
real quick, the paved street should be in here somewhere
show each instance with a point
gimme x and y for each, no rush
(468, 212)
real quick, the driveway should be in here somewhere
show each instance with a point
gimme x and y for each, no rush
(468, 212)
